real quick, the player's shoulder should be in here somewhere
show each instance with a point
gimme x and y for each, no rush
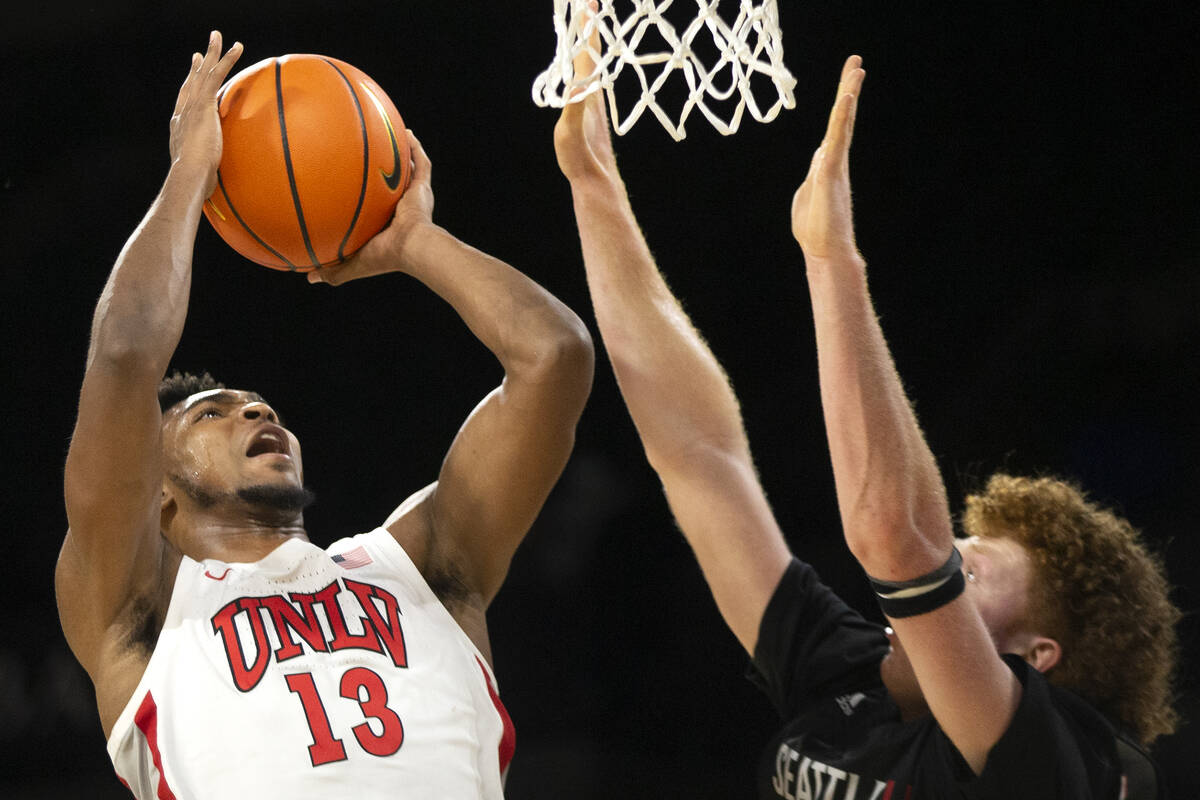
(441, 576)
(1057, 725)
(411, 526)
(360, 549)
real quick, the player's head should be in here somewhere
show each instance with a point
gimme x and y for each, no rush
(999, 577)
(227, 447)
(1093, 588)
(178, 386)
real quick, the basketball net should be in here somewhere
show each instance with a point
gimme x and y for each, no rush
(750, 45)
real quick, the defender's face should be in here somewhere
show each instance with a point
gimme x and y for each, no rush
(999, 574)
(223, 440)
(999, 577)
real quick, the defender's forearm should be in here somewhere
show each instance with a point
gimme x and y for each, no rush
(890, 492)
(142, 309)
(676, 392)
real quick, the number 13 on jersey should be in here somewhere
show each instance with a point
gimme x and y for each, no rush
(364, 687)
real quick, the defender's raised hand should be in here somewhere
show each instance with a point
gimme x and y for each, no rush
(822, 217)
(195, 126)
(582, 138)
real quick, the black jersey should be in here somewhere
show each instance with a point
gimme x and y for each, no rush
(843, 738)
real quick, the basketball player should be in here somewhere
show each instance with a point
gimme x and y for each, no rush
(230, 656)
(1018, 653)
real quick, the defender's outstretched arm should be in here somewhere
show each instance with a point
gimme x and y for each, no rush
(679, 397)
(890, 492)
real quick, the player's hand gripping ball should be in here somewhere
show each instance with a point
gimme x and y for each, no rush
(315, 158)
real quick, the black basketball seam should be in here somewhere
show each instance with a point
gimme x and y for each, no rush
(362, 192)
(287, 160)
(249, 230)
(233, 209)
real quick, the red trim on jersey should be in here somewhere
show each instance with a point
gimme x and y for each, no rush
(146, 720)
(508, 739)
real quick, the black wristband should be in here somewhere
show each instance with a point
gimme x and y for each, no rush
(921, 595)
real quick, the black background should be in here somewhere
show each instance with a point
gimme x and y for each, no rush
(1025, 193)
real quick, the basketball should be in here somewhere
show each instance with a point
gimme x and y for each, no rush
(315, 157)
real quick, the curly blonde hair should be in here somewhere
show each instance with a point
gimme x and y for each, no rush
(1097, 590)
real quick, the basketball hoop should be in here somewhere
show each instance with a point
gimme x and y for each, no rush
(750, 46)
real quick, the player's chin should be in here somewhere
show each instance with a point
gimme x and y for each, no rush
(286, 496)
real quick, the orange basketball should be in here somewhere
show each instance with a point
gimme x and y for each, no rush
(314, 160)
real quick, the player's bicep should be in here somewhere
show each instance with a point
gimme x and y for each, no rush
(723, 512)
(83, 628)
(500, 468)
(113, 484)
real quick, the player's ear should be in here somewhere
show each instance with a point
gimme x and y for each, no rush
(167, 504)
(1043, 653)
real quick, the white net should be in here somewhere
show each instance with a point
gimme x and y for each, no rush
(721, 71)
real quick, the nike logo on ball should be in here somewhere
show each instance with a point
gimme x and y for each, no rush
(392, 179)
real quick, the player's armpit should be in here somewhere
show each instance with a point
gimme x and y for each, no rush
(97, 616)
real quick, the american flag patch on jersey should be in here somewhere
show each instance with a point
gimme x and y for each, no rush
(352, 558)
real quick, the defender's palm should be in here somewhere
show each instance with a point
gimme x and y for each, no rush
(582, 139)
(822, 216)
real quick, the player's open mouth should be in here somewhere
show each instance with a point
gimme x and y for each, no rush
(268, 441)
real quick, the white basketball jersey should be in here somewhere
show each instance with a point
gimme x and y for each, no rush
(312, 674)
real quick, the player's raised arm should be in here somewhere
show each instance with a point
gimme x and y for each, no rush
(113, 474)
(890, 492)
(512, 448)
(679, 397)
